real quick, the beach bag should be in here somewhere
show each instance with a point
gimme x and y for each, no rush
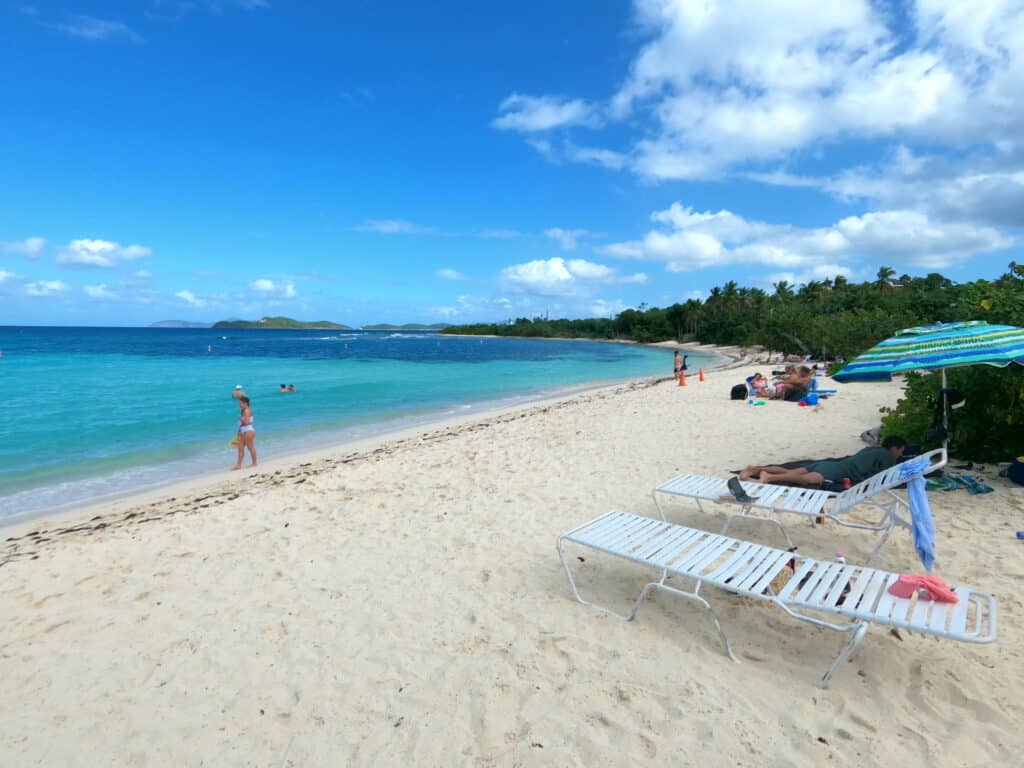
(739, 392)
(795, 394)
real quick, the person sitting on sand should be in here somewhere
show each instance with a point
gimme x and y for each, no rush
(679, 364)
(862, 465)
(759, 384)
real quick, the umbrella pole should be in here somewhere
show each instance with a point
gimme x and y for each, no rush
(945, 414)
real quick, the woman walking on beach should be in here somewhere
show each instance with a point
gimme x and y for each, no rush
(246, 433)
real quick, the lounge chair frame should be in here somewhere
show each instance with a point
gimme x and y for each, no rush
(768, 501)
(856, 593)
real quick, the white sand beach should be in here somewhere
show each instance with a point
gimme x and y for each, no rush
(404, 605)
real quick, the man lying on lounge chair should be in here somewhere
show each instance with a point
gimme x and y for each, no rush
(815, 474)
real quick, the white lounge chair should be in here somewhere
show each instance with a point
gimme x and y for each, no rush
(767, 501)
(852, 592)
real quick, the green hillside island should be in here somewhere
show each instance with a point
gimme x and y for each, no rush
(281, 323)
(833, 317)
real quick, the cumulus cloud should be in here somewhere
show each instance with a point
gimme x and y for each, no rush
(30, 247)
(99, 292)
(691, 240)
(531, 114)
(394, 227)
(696, 103)
(282, 290)
(191, 299)
(567, 239)
(99, 253)
(563, 277)
(451, 274)
(46, 288)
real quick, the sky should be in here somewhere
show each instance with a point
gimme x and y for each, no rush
(462, 161)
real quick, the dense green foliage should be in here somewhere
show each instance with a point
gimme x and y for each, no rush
(836, 317)
(280, 322)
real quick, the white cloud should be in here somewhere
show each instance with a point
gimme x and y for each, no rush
(567, 239)
(97, 30)
(5, 276)
(597, 156)
(191, 299)
(394, 227)
(282, 290)
(451, 274)
(530, 114)
(99, 253)
(693, 240)
(143, 274)
(563, 277)
(46, 288)
(30, 247)
(732, 84)
(99, 292)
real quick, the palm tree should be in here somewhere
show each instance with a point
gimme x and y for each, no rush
(783, 289)
(840, 283)
(884, 281)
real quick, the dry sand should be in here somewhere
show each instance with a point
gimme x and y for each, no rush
(405, 606)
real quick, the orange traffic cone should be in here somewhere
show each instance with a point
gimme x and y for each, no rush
(700, 374)
(682, 378)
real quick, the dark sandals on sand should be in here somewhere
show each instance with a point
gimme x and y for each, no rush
(737, 491)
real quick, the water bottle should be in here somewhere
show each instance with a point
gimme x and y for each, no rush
(840, 558)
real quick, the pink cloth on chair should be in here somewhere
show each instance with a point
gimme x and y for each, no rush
(935, 588)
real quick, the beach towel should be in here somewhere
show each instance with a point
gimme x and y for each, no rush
(922, 525)
(935, 588)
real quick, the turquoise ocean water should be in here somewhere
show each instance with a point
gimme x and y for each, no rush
(89, 412)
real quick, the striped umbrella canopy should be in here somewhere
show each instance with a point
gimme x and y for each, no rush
(937, 347)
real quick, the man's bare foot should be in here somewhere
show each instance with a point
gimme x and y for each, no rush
(254, 464)
(237, 466)
(745, 474)
(764, 477)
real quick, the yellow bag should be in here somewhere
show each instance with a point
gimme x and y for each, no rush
(235, 441)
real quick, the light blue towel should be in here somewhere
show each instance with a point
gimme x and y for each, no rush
(922, 524)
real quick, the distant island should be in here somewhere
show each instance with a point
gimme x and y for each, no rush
(178, 324)
(406, 327)
(286, 323)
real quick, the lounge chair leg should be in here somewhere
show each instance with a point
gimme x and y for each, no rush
(661, 512)
(693, 596)
(858, 633)
(881, 543)
(624, 616)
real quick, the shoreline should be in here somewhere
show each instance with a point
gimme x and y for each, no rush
(150, 493)
(213, 483)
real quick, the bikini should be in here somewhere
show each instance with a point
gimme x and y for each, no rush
(245, 427)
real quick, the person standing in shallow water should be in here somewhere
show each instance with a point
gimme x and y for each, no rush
(246, 433)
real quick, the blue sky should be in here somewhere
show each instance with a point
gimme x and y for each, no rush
(462, 161)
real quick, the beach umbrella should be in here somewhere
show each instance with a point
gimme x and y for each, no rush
(936, 348)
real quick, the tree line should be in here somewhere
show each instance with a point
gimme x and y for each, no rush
(836, 317)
